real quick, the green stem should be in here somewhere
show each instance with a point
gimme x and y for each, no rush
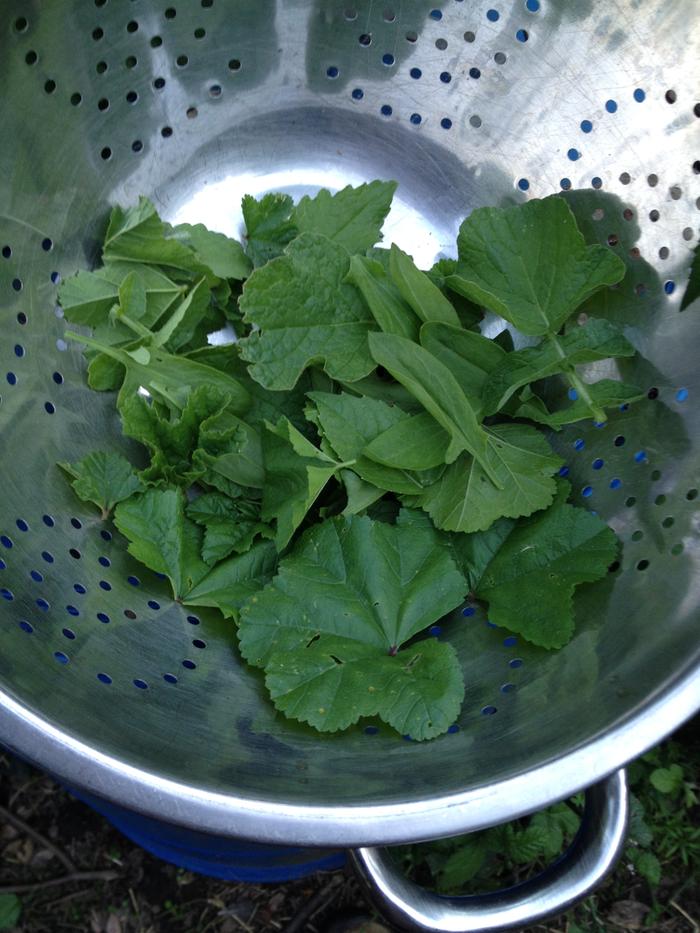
(137, 328)
(576, 383)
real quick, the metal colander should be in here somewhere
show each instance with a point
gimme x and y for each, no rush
(108, 683)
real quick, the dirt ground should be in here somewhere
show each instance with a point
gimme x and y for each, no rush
(74, 872)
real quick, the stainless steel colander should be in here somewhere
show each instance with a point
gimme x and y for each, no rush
(109, 684)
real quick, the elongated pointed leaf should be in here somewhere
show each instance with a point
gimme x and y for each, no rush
(530, 264)
(418, 291)
(306, 314)
(384, 300)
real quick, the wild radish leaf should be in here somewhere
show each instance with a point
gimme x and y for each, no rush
(416, 442)
(104, 479)
(219, 253)
(307, 314)
(418, 291)
(228, 585)
(597, 340)
(88, 297)
(356, 590)
(170, 378)
(171, 442)
(606, 393)
(269, 226)
(434, 386)
(183, 319)
(162, 538)
(349, 424)
(530, 264)
(229, 525)
(470, 357)
(384, 300)
(295, 474)
(464, 499)
(352, 217)
(529, 584)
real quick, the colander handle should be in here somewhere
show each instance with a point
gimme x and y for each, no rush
(575, 874)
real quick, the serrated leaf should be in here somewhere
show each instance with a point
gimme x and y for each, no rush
(221, 254)
(349, 424)
(328, 628)
(295, 474)
(162, 537)
(229, 525)
(667, 780)
(307, 314)
(530, 264)
(435, 387)
(269, 226)
(465, 499)
(384, 300)
(418, 291)
(352, 217)
(232, 582)
(647, 864)
(529, 584)
(597, 340)
(236, 449)
(104, 479)
(462, 864)
(639, 832)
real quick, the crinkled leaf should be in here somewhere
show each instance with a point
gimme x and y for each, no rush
(415, 442)
(352, 217)
(647, 864)
(529, 584)
(530, 264)
(435, 387)
(465, 499)
(229, 525)
(418, 291)
(470, 357)
(349, 424)
(104, 479)
(236, 448)
(598, 340)
(307, 314)
(295, 474)
(162, 537)
(235, 580)
(221, 254)
(269, 226)
(328, 627)
(171, 442)
(383, 298)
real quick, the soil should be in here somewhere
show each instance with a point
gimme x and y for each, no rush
(108, 885)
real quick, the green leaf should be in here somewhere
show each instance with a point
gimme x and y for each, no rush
(222, 255)
(234, 581)
(103, 478)
(171, 442)
(384, 300)
(352, 217)
(235, 447)
(474, 552)
(415, 442)
(434, 386)
(184, 319)
(88, 297)
(470, 314)
(530, 583)
(132, 296)
(360, 495)
(328, 628)
(530, 264)
(647, 864)
(295, 474)
(169, 378)
(521, 460)
(692, 290)
(639, 831)
(470, 357)
(307, 314)
(606, 393)
(462, 864)
(349, 424)
(667, 780)
(230, 525)
(162, 538)
(269, 227)
(597, 340)
(418, 291)
(137, 234)
(10, 911)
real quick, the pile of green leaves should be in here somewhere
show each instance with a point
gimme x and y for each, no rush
(350, 457)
